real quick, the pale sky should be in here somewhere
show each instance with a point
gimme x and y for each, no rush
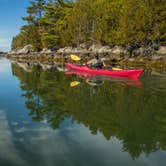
(11, 13)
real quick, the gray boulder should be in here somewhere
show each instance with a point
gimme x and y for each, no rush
(118, 50)
(61, 50)
(65, 50)
(95, 47)
(83, 46)
(69, 50)
(14, 51)
(46, 51)
(104, 49)
(162, 50)
(25, 50)
(78, 50)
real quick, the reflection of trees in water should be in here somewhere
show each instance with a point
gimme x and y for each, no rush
(136, 116)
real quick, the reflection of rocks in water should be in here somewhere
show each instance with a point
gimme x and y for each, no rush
(27, 66)
(46, 67)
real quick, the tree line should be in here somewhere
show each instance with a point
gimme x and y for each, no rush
(59, 23)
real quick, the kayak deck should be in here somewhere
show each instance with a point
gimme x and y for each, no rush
(119, 73)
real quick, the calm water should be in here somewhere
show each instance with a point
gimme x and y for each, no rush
(100, 122)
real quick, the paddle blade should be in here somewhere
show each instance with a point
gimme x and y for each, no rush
(75, 57)
(74, 83)
(115, 68)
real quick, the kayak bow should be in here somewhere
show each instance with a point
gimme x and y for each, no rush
(118, 73)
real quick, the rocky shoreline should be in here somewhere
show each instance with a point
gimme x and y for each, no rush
(148, 55)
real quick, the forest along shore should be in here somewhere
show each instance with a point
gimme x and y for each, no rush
(152, 55)
(120, 31)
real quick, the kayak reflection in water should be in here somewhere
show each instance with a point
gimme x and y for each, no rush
(96, 63)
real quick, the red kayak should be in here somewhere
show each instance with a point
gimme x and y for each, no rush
(117, 73)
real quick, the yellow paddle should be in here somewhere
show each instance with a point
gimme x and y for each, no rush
(74, 83)
(115, 68)
(75, 57)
